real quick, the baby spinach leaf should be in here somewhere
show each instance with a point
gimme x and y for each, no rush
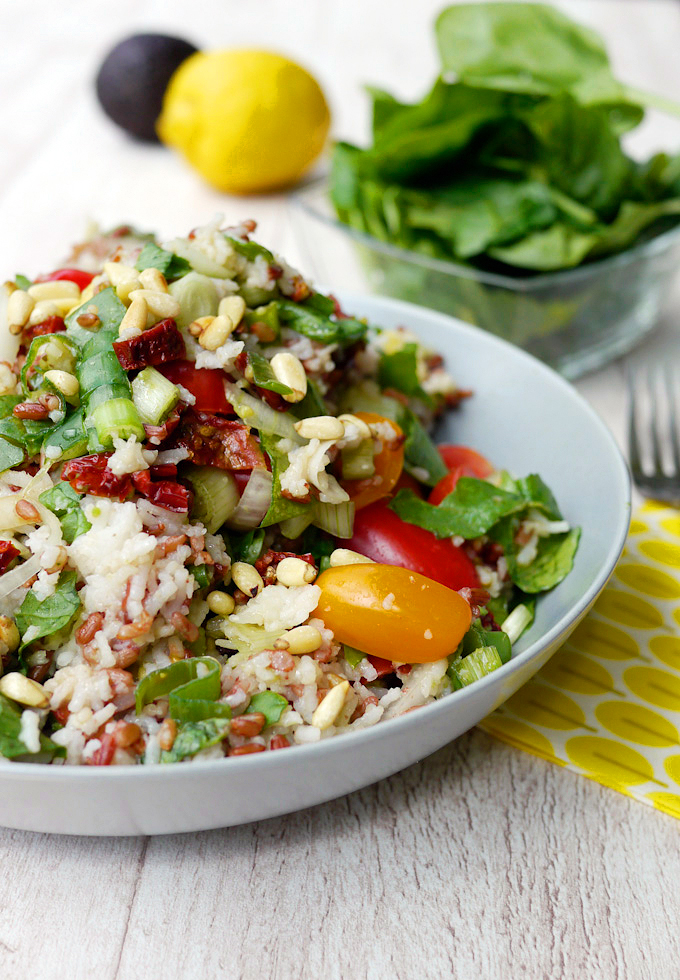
(270, 704)
(421, 457)
(263, 375)
(246, 547)
(194, 736)
(22, 282)
(63, 501)
(316, 326)
(110, 311)
(11, 744)
(400, 371)
(153, 257)
(11, 455)
(553, 562)
(281, 508)
(472, 508)
(51, 614)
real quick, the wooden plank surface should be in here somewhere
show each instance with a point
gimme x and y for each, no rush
(479, 861)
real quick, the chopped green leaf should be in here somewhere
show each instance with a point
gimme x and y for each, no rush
(22, 282)
(11, 744)
(63, 501)
(263, 375)
(153, 257)
(49, 615)
(110, 311)
(553, 562)
(317, 326)
(281, 508)
(352, 656)
(400, 371)
(194, 736)
(11, 455)
(246, 547)
(193, 687)
(270, 704)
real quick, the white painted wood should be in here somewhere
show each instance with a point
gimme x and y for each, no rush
(478, 862)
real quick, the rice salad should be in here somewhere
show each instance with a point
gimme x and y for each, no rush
(224, 526)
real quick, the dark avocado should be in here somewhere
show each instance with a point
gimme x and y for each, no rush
(133, 78)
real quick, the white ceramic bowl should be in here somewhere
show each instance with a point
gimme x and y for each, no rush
(526, 419)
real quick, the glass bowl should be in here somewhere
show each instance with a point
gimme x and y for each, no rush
(575, 321)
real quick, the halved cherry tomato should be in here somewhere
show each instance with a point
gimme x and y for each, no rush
(461, 461)
(381, 535)
(205, 384)
(388, 463)
(392, 612)
(78, 276)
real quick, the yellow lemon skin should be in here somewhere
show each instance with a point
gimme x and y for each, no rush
(249, 121)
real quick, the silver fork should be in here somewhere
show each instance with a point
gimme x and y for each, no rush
(653, 443)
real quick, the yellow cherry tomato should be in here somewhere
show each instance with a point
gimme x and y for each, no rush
(392, 612)
(388, 463)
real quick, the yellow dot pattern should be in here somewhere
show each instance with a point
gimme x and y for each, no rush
(607, 704)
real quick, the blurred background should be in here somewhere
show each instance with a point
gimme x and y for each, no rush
(62, 162)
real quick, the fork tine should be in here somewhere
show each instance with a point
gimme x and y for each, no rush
(633, 440)
(673, 423)
(657, 458)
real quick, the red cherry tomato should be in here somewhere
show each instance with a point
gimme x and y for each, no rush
(78, 276)
(205, 384)
(461, 461)
(381, 535)
(392, 613)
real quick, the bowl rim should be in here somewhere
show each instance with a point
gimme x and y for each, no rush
(527, 284)
(34, 771)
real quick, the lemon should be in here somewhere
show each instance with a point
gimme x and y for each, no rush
(247, 120)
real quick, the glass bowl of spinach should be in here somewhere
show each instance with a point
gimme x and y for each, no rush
(506, 197)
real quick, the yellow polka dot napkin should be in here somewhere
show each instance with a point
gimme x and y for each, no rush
(607, 704)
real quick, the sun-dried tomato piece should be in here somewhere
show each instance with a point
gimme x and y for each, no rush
(91, 474)
(51, 324)
(157, 433)
(168, 494)
(8, 552)
(382, 667)
(162, 342)
(271, 559)
(212, 440)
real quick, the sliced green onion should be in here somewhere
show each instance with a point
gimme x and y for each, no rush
(69, 438)
(479, 663)
(202, 574)
(216, 495)
(337, 519)
(294, 526)
(197, 297)
(352, 655)
(359, 463)
(154, 396)
(259, 415)
(254, 502)
(101, 368)
(268, 316)
(106, 393)
(517, 621)
(117, 418)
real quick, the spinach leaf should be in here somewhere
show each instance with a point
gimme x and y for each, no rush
(22, 282)
(250, 250)
(11, 455)
(281, 508)
(421, 457)
(317, 326)
(11, 745)
(400, 371)
(63, 501)
(195, 736)
(153, 257)
(270, 704)
(110, 311)
(553, 562)
(246, 547)
(51, 614)
(263, 375)
(193, 687)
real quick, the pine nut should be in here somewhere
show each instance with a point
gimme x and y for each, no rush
(215, 333)
(65, 382)
(8, 381)
(334, 679)
(294, 571)
(135, 316)
(22, 689)
(220, 603)
(125, 289)
(196, 327)
(27, 511)
(160, 304)
(127, 735)
(153, 279)
(362, 429)
(343, 556)
(289, 370)
(303, 639)
(9, 635)
(19, 308)
(234, 307)
(119, 272)
(41, 311)
(331, 706)
(65, 304)
(58, 289)
(324, 427)
(246, 578)
(9, 287)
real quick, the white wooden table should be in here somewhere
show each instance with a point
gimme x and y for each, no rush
(479, 861)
